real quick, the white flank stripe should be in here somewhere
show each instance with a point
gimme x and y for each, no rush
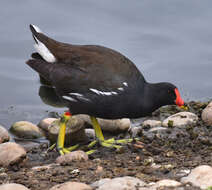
(125, 84)
(76, 94)
(94, 90)
(121, 89)
(83, 99)
(69, 98)
(102, 92)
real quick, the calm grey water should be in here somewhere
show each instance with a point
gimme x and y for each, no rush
(167, 40)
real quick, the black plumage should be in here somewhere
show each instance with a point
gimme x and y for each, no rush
(99, 81)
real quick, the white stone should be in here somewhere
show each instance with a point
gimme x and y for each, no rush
(156, 129)
(11, 153)
(200, 176)
(4, 135)
(72, 186)
(67, 159)
(25, 129)
(183, 173)
(181, 119)
(45, 167)
(167, 183)
(12, 186)
(121, 183)
(207, 114)
(160, 184)
(152, 123)
(90, 133)
(100, 182)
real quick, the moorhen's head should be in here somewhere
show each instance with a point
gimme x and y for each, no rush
(170, 95)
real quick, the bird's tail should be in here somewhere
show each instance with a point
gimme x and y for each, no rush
(42, 67)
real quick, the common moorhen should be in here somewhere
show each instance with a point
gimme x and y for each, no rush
(97, 81)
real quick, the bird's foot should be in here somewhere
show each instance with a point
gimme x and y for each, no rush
(63, 150)
(112, 143)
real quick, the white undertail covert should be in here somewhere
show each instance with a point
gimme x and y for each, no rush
(42, 49)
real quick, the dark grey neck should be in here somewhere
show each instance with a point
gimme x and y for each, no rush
(153, 97)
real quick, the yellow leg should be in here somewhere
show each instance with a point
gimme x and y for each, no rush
(111, 143)
(61, 136)
(97, 129)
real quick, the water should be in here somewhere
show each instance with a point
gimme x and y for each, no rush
(168, 41)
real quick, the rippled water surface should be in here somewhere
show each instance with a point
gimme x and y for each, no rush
(167, 40)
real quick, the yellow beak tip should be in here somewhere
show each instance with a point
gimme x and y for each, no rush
(184, 107)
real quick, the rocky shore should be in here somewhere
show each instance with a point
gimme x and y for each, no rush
(174, 151)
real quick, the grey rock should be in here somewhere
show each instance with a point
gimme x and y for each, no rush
(27, 130)
(152, 123)
(207, 115)
(72, 186)
(181, 119)
(11, 153)
(90, 133)
(156, 129)
(161, 184)
(183, 173)
(135, 130)
(200, 176)
(4, 135)
(99, 183)
(12, 186)
(148, 135)
(72, 156)
(120, 183)
(29, 145)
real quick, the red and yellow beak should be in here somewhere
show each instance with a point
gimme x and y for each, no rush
(179, 101)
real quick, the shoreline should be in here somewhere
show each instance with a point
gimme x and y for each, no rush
(164, 153)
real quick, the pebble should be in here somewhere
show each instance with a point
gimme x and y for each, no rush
(68, 159)
(72, 186)
(135, 131)
(183, 172)
(29, 145)
(99, 183)
(12, 186)
(160, 184)
(27, 130)
(180, 119)
(45, 123)
(200, 176)
(11, 153)
(99, 169)
(118, 183)
(90, 133)
(45, 167)
(207, 115)
(151, 123)
(4, 135)
(157, 129)
(75, 132)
